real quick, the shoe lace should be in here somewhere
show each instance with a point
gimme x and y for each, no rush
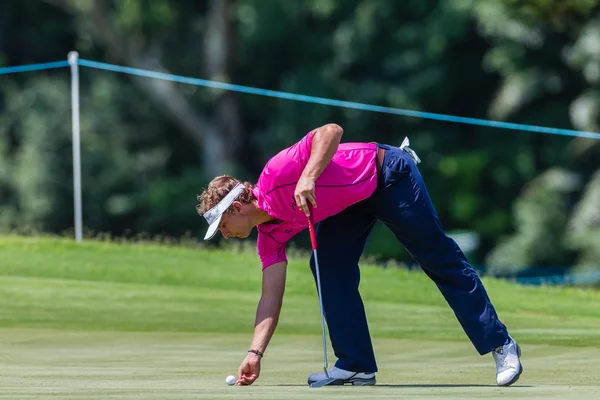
(501, 356)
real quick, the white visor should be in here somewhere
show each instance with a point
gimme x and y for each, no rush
(213, 216)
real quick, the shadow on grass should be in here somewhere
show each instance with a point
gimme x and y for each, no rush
(424, 385)
(443, 385)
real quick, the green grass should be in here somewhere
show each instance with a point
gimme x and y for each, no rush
(106, 320)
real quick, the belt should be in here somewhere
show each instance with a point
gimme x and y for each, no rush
(379, 163)
(404, 147)
(380, 155)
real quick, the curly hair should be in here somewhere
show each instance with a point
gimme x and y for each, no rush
(218, 189)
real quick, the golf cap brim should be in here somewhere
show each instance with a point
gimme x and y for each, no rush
(214, 215)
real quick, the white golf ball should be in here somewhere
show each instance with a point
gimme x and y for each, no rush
(230, 380)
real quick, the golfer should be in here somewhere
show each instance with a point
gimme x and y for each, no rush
(348, 187)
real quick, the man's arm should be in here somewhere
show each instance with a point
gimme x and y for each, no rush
(326, 140)
(267, 316)
(269, 306)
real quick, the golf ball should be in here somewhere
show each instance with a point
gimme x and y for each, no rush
(230, 380)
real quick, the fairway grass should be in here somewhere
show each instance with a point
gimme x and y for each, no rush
(134, 365)
(101, 320)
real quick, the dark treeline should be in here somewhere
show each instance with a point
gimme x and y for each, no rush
(149, 146)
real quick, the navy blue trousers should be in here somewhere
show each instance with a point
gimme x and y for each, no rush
(401, 202)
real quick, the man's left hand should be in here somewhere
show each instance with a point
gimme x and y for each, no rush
(305, 194)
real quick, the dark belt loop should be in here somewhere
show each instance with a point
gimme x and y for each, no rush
(379, 159)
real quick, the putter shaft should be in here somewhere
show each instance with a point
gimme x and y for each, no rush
(318, 273)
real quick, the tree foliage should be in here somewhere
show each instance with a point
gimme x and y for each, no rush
(149, 146)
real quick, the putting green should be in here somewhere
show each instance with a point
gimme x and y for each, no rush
(143, 321)
(115, 365)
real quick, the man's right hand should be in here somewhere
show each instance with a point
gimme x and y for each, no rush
(249, 370)
(305, 194)
(267, 315)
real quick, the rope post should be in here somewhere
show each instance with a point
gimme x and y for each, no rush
(73, 59)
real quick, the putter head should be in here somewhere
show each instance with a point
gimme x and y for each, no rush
(323, 382)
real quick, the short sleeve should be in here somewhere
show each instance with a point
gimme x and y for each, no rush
(299, 151)
(306, 145)
(269, 250)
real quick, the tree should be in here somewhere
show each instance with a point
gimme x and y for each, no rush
(550, 74)
(133, 34)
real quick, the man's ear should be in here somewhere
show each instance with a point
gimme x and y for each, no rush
(237, 207)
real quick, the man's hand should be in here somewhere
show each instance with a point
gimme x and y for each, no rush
(249, 370)
(305, 194)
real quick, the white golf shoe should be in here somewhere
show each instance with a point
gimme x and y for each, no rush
(342, 377)
(508, 364)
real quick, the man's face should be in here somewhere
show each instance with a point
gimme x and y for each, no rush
(235, 224)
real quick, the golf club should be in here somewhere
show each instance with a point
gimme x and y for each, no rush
(313, 239)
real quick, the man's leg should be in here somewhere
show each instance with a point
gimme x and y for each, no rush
(340, 243)
(405, 207)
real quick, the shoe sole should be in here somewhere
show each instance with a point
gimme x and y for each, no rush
(353, 382)
(517, 376)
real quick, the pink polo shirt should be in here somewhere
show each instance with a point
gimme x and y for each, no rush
(350, 177)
